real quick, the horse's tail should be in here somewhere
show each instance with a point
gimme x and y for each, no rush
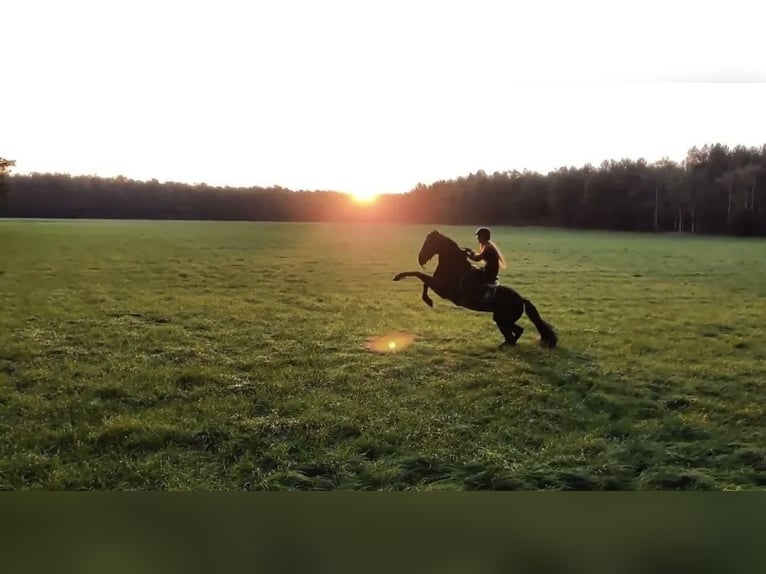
(548, 336)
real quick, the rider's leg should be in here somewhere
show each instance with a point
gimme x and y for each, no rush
(472, 286)
(484, 282)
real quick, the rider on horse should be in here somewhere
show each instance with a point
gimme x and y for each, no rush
(476, 282)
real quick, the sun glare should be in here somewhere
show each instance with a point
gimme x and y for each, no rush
(364, 197)
(390, 342)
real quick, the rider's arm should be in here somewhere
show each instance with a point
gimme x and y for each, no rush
(474, 256)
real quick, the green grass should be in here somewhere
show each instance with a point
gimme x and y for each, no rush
(186, 355)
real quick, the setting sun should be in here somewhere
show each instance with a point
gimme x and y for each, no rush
(364, 197)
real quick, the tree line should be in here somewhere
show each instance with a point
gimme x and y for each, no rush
(715, 189)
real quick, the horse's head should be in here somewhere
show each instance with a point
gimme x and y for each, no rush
(430, 247)
(435, 244)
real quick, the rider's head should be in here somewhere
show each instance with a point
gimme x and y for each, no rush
(483, 235)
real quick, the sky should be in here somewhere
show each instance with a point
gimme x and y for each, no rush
(371, 97)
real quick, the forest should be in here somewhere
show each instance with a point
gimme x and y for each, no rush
(715, 189)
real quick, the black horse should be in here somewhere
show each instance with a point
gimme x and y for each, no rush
(505, 304)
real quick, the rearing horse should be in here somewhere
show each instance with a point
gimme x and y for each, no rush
(507, 306)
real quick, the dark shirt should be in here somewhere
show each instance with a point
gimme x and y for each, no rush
(492, 259)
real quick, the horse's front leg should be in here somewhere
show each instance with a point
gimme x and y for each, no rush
(422, 276)
(425, 297)
(426, 279)
(427, 282)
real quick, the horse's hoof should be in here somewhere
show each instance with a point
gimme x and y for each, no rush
(397, 277)
(429, 302)
(506, 344)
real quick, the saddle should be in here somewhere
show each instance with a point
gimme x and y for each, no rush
(487, 292)
(480, 293)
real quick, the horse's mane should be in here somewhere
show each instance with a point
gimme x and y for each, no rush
(446, 239)
(452, 253)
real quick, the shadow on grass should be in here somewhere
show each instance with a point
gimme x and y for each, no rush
(587, 427)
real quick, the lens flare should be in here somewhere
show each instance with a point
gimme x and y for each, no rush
(389, 342)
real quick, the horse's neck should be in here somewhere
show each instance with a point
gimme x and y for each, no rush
(452, 259)
(449, 249)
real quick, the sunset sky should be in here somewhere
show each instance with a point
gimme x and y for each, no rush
(370, 97)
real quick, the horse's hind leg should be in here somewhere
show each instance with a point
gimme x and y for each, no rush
(517, 332)
(506, 318)
(510, 330)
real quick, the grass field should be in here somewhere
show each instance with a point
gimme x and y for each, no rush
(188, 355)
